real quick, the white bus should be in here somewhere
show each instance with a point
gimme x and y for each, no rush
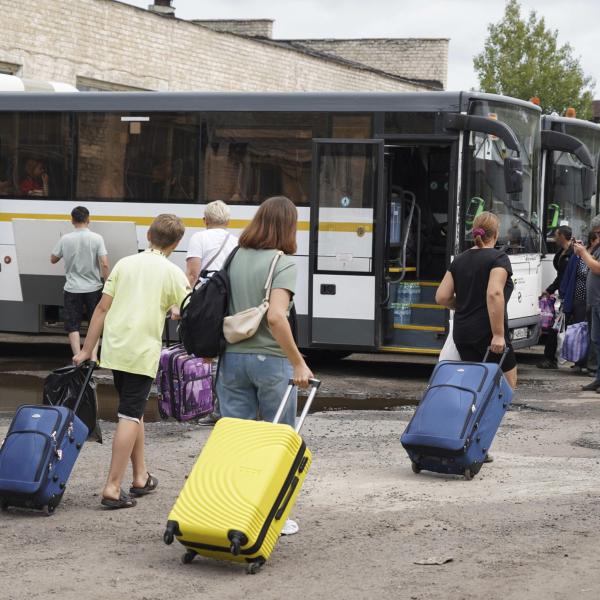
(569, 181)
(386, 185)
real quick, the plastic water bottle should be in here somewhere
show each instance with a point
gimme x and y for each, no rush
(415, 293)
(397, 314)
(405, 313)
(401, 294)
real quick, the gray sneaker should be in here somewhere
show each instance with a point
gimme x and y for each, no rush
(209, 420)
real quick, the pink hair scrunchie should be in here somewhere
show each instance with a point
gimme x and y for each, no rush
(478, 232)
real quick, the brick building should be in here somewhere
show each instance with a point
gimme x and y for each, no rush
(109, 45)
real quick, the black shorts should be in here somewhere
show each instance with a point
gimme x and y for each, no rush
(475, 351)
(133, 390)
(76, 304)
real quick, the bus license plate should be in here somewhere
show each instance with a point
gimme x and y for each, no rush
(519, 333)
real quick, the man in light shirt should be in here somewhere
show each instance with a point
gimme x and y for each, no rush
(86, 266)
(210, 248)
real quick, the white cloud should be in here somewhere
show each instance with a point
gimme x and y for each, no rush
(463, 21)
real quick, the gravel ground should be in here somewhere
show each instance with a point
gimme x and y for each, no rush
(525, 527)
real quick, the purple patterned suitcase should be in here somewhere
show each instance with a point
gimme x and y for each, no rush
(185, 385)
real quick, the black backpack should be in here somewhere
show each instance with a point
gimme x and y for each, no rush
(202, 314)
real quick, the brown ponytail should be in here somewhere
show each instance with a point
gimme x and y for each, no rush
(485, 228)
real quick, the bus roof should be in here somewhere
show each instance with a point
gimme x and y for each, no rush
(550, 119)
(225, 101)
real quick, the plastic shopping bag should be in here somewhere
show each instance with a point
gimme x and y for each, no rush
(575, 344)
(62, 387)
(547, 311)
(449, 350)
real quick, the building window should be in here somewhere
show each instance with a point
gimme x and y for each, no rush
(35, 153)
(150, 157)
(84, 84)
(7, 68)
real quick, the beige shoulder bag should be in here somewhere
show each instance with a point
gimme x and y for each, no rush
(244, 324)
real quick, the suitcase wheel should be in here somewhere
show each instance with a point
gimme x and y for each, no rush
(469, 474)
(415, 467)
(188, 557)
(253, 567)
(168, 537)
(48, 510)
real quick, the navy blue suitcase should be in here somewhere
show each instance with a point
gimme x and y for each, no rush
(456, 421)
(39, 452)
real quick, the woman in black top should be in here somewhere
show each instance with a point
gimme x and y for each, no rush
(477, 287)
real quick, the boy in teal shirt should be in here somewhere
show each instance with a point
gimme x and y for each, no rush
(139, 292)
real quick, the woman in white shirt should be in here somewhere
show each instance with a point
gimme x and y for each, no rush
(210, 248)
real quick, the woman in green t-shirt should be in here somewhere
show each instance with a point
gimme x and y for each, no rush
(254, 373)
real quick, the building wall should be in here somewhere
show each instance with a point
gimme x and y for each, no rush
(113, 42)
(424, 59)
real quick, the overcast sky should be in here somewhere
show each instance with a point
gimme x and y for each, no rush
(463, 21)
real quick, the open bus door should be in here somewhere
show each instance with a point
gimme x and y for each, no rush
(346, 247)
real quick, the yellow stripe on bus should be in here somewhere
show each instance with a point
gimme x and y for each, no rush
(403, 350)
(192, 222)
(420, 327)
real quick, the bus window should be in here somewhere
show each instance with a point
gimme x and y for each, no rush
(248, 157)
(484, 187)
(352, 126)
(35, 151)
(412, 122)
(151, 157)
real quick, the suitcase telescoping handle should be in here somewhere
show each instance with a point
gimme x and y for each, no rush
(314, 386)
(504, 354)
(89, 365)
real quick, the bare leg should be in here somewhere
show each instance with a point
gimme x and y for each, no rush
(511, 377)
(138, 461)
(75, 342)
(125, 438)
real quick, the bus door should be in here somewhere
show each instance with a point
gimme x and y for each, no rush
(347, 243)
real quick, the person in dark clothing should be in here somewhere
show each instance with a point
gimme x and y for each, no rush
(477, 286)
(562, 238)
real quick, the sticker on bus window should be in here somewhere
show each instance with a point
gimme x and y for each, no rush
(345, 201)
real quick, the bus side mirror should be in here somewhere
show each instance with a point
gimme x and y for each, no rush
(513, 175)
(588, 183)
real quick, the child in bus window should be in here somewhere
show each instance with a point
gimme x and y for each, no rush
(35, 182)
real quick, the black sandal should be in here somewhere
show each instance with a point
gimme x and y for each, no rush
(151, 485)
(124, 501)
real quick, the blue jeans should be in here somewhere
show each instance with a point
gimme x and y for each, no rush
(595, 337)
(250, 385)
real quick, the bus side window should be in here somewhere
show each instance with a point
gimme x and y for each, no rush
(41, 156)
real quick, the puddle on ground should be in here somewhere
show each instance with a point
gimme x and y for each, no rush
(17, 389)
(25, 389)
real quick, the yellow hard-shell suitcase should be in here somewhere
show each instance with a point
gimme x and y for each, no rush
(242, 488)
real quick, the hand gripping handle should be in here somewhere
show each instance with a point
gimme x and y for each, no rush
(90, 365)
(314, 386)
(504, 354)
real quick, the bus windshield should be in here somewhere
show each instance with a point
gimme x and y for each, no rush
(484, 187)
(565, 202)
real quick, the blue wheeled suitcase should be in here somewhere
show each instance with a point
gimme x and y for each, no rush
(39, 452)
(456, 421)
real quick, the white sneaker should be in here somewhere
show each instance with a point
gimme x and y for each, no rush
(290, 528)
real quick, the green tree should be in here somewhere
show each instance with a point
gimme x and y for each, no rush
(521, 58)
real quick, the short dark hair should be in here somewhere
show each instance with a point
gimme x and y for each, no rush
(80, 214)
(565, 231)
(166, 230)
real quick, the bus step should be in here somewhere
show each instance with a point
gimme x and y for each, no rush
(427, 314)
(416, 338)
